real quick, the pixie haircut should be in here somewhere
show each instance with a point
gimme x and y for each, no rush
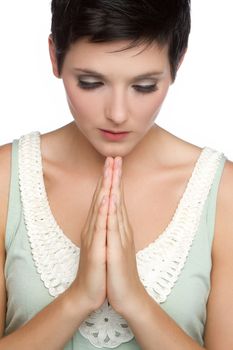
(137, 21)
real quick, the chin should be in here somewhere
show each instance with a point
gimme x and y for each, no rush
(120, 150)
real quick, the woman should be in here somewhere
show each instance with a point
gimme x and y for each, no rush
(150, 212)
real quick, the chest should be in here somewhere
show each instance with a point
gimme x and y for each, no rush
(150, 203)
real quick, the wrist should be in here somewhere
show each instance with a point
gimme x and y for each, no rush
(140, 312)
(76, 304)
(135, 304)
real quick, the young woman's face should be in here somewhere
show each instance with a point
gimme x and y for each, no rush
(120, 91)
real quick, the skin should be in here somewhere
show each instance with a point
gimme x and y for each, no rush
(105, 271)
(116, 103)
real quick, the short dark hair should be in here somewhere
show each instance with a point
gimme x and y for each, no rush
(140, 21)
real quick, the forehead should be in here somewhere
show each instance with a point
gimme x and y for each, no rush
(104, 55)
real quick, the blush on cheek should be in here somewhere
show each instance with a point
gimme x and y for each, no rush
(85, 108)
(160, 97)
(153, 105)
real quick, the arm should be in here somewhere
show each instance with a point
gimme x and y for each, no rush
(66, 313)
(4, 188)
(52, 328)
(153, 328)
(219, 327)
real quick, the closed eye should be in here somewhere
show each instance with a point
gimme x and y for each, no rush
(139, 88)
(145, 88)
(87, 85)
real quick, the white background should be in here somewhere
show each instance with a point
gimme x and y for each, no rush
(198, 107)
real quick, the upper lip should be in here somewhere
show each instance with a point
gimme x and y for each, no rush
(114, 132)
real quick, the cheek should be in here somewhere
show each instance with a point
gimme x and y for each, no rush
(82, 103)
(147, 108)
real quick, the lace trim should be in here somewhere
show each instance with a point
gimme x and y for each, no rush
(56, 257)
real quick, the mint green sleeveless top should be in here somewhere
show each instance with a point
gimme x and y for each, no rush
(41, 262)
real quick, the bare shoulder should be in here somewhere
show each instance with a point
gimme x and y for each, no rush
(5, 170)
(176, 152)
(224, 210)
(218, 333)
(5, 166)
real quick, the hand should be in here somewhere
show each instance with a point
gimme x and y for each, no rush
(91, 275)
(123, 282)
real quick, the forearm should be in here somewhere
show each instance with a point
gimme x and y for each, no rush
(51, 328)
(154, 329)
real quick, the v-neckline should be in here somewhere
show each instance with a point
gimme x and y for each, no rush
(159, 264)
(158, 237)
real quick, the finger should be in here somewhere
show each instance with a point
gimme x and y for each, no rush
(123, 220)
(104, 190)
(117, 190)
(113, 236)
(124, 214)
(101, 180)
(115, 225)
(120, 214)
(90, 212)
(100, 225)
(116, 178)
(94, 200)
(125, 228)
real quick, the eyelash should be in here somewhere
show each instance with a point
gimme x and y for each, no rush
(141, 89)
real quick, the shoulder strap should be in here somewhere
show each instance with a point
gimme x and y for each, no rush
(14, 203)
(212, 198)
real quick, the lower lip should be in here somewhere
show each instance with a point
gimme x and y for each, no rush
(114, 137)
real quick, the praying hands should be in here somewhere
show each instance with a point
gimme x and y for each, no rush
(107, 267)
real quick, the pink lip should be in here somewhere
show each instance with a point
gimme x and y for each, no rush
(114, 137)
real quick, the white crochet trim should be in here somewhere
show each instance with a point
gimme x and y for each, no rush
(55, 256)
(159, 264)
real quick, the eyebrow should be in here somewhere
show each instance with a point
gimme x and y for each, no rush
(99, 75)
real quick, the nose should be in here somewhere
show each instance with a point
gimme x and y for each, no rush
(117, 110)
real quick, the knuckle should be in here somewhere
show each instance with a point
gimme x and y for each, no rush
(98, 202)
(99, 227)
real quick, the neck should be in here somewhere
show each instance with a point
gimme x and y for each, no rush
(74, 150)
